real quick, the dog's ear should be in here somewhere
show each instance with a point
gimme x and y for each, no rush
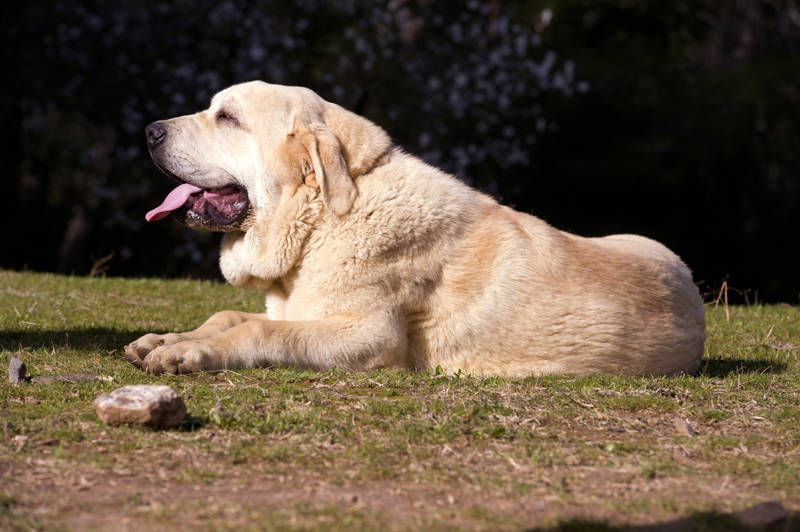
(342, 148)
(362, 141)
(330, 168)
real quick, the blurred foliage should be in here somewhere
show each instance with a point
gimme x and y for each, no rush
(679, 121)
(690, 134)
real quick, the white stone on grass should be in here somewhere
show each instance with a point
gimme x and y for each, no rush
(156, 406)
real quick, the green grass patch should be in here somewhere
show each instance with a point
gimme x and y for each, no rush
(424, 449)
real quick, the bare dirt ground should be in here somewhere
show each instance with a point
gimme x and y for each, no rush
(145, 490)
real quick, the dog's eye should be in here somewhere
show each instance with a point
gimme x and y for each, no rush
(223, 116)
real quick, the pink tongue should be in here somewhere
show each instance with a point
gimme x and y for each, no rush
(174, 200)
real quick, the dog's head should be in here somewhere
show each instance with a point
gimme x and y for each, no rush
(254, 147)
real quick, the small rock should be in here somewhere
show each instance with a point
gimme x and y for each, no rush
(156, 406)
(71, 378)
(16, 370)
(683, 427)
(17, 373)
(19, 442)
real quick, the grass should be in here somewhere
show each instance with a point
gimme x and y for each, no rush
(299, 450)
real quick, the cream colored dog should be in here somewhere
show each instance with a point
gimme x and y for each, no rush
(371, 258)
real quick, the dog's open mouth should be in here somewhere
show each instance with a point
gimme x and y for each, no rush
(217, 209)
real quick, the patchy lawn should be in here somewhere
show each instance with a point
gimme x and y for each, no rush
(297, 450)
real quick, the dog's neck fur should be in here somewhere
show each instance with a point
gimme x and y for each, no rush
(277, 242)
(302, 226)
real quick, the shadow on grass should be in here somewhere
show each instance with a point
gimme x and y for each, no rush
(192, 423)
(722, 367)
(767, 516)
(102, 338)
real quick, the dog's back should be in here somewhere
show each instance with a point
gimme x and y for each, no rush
(517, 296)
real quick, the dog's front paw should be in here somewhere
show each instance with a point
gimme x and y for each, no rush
(183, 357)
(136, 351)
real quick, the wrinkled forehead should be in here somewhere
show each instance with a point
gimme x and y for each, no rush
(237, 96)
(257, 97)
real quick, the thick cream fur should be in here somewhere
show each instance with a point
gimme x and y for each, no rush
(394, 263)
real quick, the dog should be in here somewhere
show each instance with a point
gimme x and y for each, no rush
(371, 258)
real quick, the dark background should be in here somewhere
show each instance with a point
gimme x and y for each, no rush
(677, 120)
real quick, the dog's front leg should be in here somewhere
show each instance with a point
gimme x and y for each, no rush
(137, 350)
(342, 341)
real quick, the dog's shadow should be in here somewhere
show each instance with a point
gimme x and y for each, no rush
(101, 338)
(724, 367)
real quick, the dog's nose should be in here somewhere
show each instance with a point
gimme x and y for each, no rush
(155, 134)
